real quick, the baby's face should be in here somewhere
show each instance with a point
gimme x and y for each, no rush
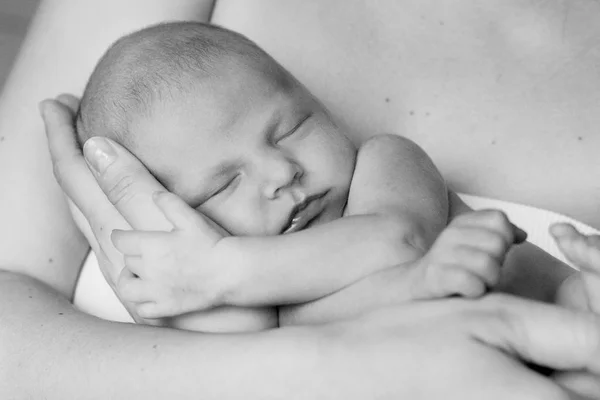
(254, 157)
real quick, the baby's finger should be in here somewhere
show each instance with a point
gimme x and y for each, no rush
(177, 211)
(136, 265)
(127, 242)
(494, 220)
(483, 240)
(464, 283)
(183, 217)
(480, 264)
(150, 310)
(140, 243)
(134, 290)
(167, 306)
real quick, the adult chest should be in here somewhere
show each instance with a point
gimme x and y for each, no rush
(503, 94)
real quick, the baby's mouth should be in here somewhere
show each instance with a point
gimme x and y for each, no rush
(304, 213)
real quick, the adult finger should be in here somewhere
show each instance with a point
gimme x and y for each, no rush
(70, 101)
(543, 334)
(77, 181)
(126, 182)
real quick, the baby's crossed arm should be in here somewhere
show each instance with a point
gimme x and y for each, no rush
(398, 204)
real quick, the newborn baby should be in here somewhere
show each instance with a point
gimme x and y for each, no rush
(289, 212)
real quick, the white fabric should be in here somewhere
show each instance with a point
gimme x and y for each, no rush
(94, 296)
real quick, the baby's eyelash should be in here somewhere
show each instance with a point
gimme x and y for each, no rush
(296, 127)
(226, 185)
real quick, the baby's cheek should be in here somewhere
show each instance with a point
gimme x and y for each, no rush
(244, 221)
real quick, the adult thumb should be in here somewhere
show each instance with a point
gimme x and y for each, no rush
(544, 334)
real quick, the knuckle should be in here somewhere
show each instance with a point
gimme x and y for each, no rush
(460, 279)
(492, 272)
(60, 169)
(120, 192)
(496, 244)
(481, 259)
(497, 218)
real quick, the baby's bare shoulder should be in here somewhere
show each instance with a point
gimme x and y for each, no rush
(393, 173)
(389, 145)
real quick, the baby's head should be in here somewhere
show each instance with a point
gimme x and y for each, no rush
(223, 125)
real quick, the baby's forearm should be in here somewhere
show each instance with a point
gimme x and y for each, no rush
(309, 264)
(383, 288)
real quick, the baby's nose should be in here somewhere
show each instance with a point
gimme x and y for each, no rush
(281, 177)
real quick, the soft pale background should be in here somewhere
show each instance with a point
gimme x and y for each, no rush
(14, 18)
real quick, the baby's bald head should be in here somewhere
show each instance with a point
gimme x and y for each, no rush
(163, 63)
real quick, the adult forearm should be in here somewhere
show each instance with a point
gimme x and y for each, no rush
(50, 350)
(313, 263)
(64, 42)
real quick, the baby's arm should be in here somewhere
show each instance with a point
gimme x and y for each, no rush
(397, 205)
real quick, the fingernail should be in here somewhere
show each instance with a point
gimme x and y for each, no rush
(99, 153)
(158, 194)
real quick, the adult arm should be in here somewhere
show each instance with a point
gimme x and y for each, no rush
(37, 234)
(39, 242)
(330, 361)
(474, 346)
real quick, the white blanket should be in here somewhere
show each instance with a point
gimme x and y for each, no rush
(94, 296)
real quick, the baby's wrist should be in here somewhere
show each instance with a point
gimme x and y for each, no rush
(421, 285)
(231, 271)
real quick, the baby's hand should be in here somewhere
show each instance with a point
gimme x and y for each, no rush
(467, 256)
(172, 273)
(584, 252)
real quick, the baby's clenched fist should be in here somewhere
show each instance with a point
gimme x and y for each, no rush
(467, 256)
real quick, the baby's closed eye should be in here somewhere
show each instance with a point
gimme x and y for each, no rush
(298, 128)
